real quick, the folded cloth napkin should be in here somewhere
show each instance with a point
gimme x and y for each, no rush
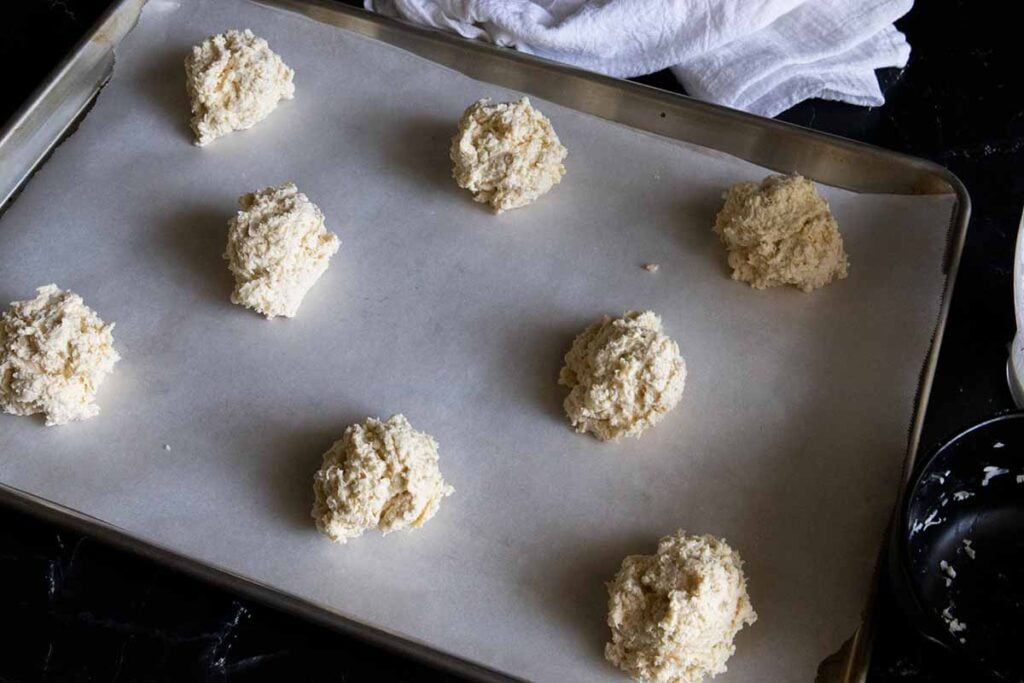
(762, 56)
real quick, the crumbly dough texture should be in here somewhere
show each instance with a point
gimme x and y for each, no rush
(506, 154)
(278, 247)
(234, 81)
(781, 232)
(378, 475)
(624, 375)
(55, 353)
(674, 614)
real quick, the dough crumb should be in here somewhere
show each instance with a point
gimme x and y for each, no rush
(781, 232)
(674, 614)
(624, 374)
(167, 446)
(506, 154)
(234, 81)
(278, 247)
(55, 353)
(651, 267)
(955, 625)
(378, 475)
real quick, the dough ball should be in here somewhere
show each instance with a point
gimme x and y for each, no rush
(378, 475)
(506, 154)
(55, 353)
(278, 247)
(624, 375)
(674, 614)
(234, 81)
(781, 232)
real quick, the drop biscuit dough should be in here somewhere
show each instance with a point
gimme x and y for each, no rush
(55, 353)
(234, 81)
(673, 615)
(624, 375)
(506, 154)
(781, 232)
(378, 475)
(278, 247)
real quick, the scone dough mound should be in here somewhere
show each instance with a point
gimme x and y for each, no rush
(781, 232)
(674, 614)
(624, 375)
(506, 154)
(378, 475)
(54, 354)
(278, 247)
(234, 81)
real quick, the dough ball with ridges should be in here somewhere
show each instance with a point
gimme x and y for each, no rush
(55, 352)
(506, 154)
(278, 247)
(781, 232)
(378, 475)
(674, 615)
(624, 375)
(234, 81)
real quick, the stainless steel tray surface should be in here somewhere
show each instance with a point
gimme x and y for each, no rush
(789, 439)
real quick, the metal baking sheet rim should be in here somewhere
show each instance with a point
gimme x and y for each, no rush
(40, 125)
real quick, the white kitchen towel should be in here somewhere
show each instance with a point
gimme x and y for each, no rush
(762, 56)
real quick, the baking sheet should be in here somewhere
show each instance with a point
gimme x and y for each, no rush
(788, 440)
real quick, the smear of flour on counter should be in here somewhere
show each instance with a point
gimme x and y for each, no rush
(992, 472)
(1020, 478)
(968, 550)
(998, 444)
(962, 495)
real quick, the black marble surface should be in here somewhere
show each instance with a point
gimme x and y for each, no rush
(77, 609)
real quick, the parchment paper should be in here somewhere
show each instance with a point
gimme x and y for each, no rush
(788, 440)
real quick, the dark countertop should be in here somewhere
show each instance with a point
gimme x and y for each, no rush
(77, 609)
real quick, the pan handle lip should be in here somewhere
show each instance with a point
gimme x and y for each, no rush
(904, 588)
